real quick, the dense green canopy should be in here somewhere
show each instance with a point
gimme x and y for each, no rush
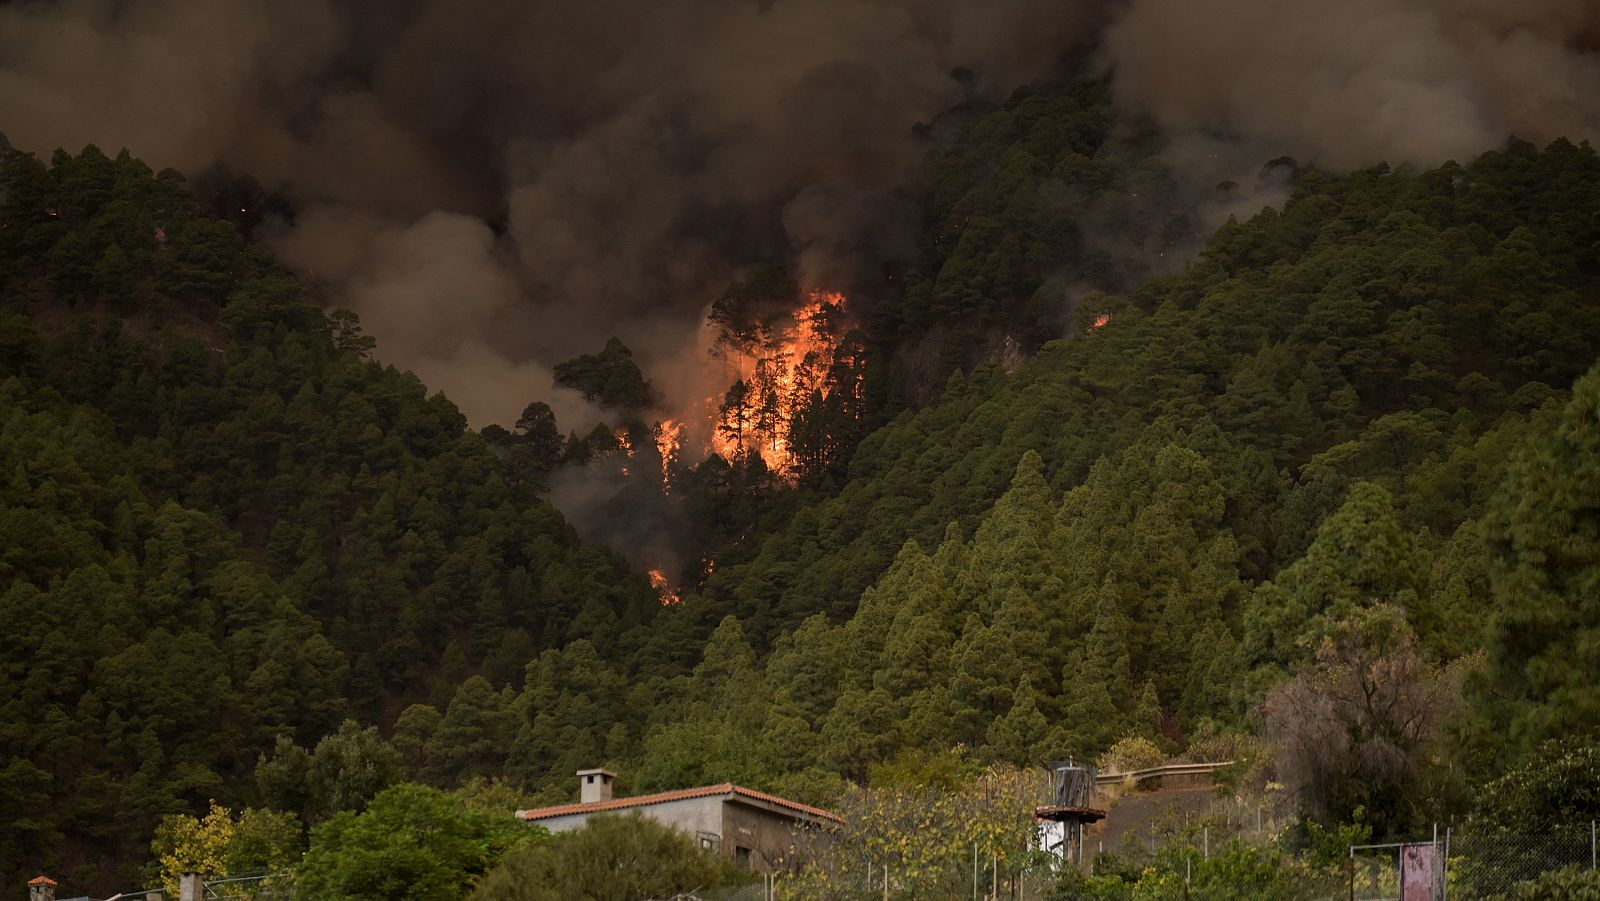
(242, 561)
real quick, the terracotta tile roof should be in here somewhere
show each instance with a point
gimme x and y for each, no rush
(726, 788)
(42, 880)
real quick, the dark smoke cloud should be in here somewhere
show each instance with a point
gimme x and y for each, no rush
(498, 185)
(1360, 81)
(636, 152)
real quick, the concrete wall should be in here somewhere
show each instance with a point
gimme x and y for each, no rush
(691, 815)
(735, 823)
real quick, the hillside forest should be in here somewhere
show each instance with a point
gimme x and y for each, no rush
(1324, 501)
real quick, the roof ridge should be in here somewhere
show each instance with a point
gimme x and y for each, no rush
(682, 794)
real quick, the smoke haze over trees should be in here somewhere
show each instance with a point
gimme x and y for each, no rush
(498, 186)
(1091, 455)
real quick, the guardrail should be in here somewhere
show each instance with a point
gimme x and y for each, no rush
(1171, 769)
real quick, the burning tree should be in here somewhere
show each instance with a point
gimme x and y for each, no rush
(797, 386)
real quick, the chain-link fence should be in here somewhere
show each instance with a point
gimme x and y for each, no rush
(1452, 866)
(1485, 866)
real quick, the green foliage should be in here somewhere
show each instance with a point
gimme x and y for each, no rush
(609, 377)
(412, 842)
(1543, 531)
(1133, 752)
(612, 858)
(224, 524)
(924, 837)
(1026, 201)
(1360, 727)
(344, 772)
(1555, 788)
(1574, 883)
(1235, 870)
(219, 845)
(1343, 302)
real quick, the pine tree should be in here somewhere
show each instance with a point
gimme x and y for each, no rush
(473, 736)
(1362, 556)
(1542, 530)
(1019, 736)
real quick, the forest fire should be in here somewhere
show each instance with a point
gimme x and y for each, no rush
(658, 581)
(669, 442)
(782, 367)
(794, 389)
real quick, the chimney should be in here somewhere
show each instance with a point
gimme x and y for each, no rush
(594, 785)
(191, 887)
(41, 888)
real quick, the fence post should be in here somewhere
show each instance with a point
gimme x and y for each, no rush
(1591, 845)
(1205, 842)
(1350, 868)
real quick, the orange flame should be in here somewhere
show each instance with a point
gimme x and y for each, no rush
(658, 581)
(1101, 320)
(669, 441)
(781, 379)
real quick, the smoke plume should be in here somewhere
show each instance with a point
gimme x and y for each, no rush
(496, 186)
(1353, 83)
(633, 155)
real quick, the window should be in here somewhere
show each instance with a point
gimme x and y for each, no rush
(742, 855)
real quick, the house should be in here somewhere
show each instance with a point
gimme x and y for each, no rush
(741, 824)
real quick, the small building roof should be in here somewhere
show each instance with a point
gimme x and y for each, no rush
(597, 772)
(42, 880)
(726, 788)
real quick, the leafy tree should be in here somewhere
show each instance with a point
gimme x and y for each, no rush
(612, 858)
(1572, 883)
(346, 769)
(924, 835)
(1555, 788)
(1019, 737)
(1362, 556)
(412, 842)
(537, 442)
(220, 845)
(736, 416)
(1358, 727)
